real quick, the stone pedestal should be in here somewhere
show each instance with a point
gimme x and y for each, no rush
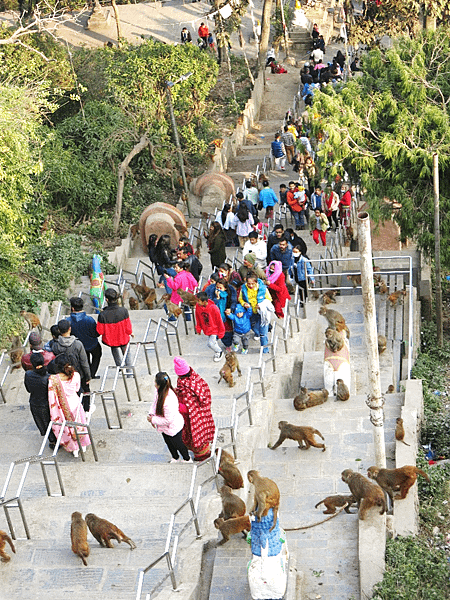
(99, 19)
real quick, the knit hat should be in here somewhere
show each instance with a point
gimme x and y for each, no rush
(35, 340)
(250, 257)
(239, 309)
(180, 365)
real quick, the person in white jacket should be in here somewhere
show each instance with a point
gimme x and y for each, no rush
(165, 417)
(256, 246)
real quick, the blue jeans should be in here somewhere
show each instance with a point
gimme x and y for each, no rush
(255, 321)
(162, 279)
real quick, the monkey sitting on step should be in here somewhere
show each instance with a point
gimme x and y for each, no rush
(333, 502)
(307, 399)
(78, 536)
(342, 391)
(104, 532)
(229, 471)
(232, 505)
(304, 435)
(400, 431)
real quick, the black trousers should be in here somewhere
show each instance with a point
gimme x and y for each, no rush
(94, 357)
(41, 416)
(303, 291)
(175, 445)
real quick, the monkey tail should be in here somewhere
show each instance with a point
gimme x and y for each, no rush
(319, 434)
(318, 522)
(83, 558)
(405, 443)
(427, 477)
(318, 504)
(10, 542)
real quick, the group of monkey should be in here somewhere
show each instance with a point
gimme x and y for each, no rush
(380, 286)
(102, 530)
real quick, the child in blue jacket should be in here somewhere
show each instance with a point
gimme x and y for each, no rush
(242, 327)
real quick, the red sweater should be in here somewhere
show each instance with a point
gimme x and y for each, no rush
(209, 320)
(114, 326)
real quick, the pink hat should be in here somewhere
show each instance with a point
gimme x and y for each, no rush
(180, 365)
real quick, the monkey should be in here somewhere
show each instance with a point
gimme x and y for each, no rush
(396, 297)
(376, 280)
(304, 435)
(267, 495)
(134, 304)
(307, 399)
(187, 297)
(150, 299)
(334, 340)
(376, 269)
(382, 342)
(104, 532)
(366, 493)
(342, 391)
(329, 297)
(231, 527)
(15, 352)
(382, 287)
(78, 535)
(134, 231)
(232, 505)
(198, 247)
(32, 320)
(229, 471)
(335, 319)
(173, 309)
(182, 230)
(355, 279)
(4, 537)
(396, 480)
(390, 390)
(400, 431)
(333, 502)
(141, 291)
(227, 374)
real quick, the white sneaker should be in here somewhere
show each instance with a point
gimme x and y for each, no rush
(256, 338)
(75, 453)
(188, 461)
(83, 449)
(218, 356)
(92, 409)
(173, 460)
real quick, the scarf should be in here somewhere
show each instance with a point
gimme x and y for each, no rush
(272, 277)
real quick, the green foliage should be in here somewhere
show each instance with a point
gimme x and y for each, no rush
(387, 124)
(434, 510)
(414, 569)
(277, 21)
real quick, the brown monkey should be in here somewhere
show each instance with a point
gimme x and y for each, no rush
(382, 287)
(267, 495)
(232, 362)
(397, 297)
(333, 502)
(104, 532)
(396, 480)
(232, 505)
(366, 493)
(227, 374)
(355, 279)
(303, 435)
(342, 391)
(173, 309)
(335, 319)
(198, 247)
(229, 471)
(187, 297)
(400, 431)
(150, 299)
(390, 390)
(15, 352)
(134, 304)
(31, 319)
(141, 291)
(231, 527)
(382, 342)
(78, 535)
(334, 340)
(329, 297)
(4, 537)
(307, 399)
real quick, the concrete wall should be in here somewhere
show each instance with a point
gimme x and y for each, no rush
(249, 115)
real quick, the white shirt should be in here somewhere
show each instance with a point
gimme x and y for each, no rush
(259, 250)
(228, 221)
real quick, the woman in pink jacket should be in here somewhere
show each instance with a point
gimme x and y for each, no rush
(183, 280)
(165, 416)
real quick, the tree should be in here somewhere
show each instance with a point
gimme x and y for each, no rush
(392, 18)
(384, 127)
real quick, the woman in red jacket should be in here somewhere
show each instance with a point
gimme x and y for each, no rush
(276, 283)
